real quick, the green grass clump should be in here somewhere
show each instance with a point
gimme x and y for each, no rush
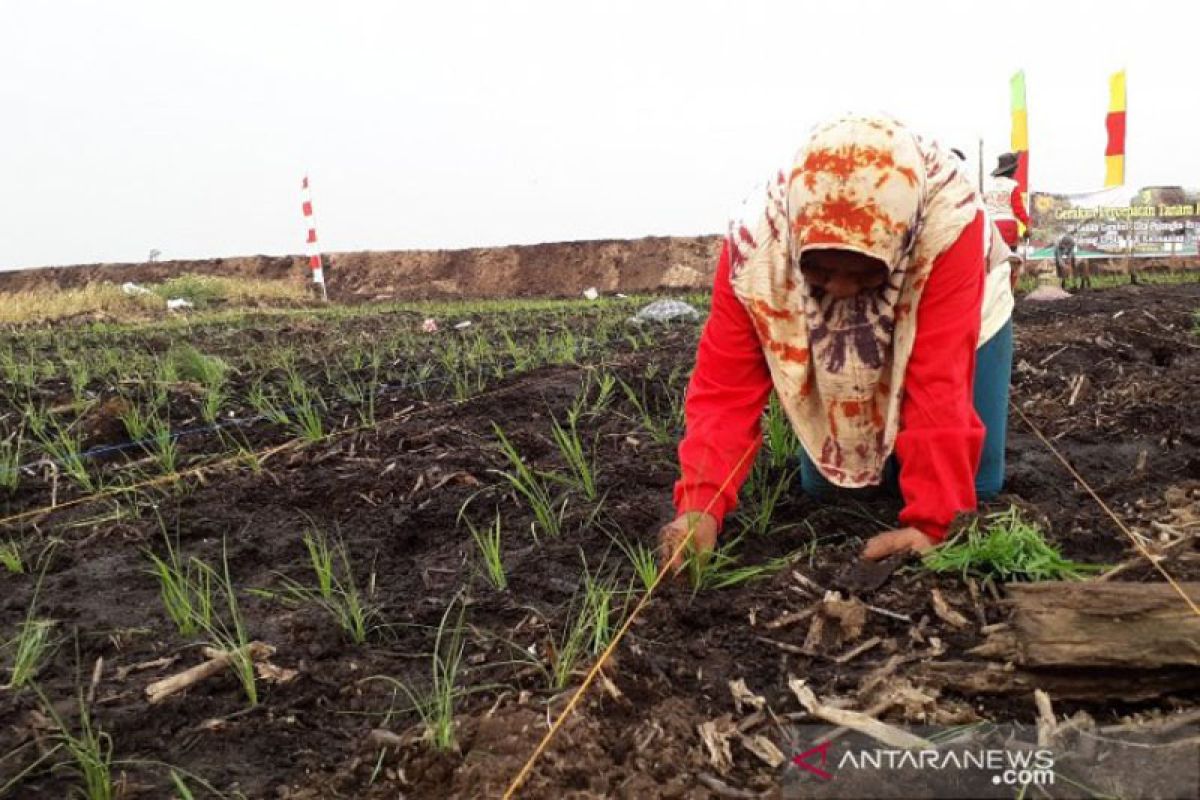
(199, 290)
(1006, 546)
(192, 365)
(10, 557)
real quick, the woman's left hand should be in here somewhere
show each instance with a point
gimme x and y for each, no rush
(897, 541)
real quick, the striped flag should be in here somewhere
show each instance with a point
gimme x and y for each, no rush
(1020, 130)
(314, 254)
(1114, 154)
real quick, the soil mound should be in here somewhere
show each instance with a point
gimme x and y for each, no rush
(556, 268)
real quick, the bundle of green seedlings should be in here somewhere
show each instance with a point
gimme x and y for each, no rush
(335, 591)
(191, 591)
(435, 704)
(1007, 546)
(26, 652)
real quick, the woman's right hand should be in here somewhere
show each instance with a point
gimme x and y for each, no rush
(703, 528)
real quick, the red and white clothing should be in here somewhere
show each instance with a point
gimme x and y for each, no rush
(1006, 208)
(940, 436)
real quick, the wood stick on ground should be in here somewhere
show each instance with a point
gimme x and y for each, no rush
(723, 789)
(980, 614)
(857, 651)
(784, 646)
(791, 619)
(856, 720)
(946, 612)
(1159, 726)
(884, 612)
(97, 671)
(165, 661)
(1047, 725)
(218, 660)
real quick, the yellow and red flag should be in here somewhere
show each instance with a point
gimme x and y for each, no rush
(1020, 130)
(1114, 154)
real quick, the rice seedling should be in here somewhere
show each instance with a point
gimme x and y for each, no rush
(181, 787)
(136, 418)
(579, 460)
(606, 385)
(521, 357)
(64, 446)
(242, 450)
(663, 425)
(782, 446)
(565, 348)
(29, 648)
(718, 569)
(435, 703)
(10, 557)
(79, 377)
(214, 398)
(643, 559)
(338, 595)
(565, 655)
(166, 371)
(267, 404)
(466, 378)
(307, 408)
(231, 636)
(762, 495)
(320, 556)
(164, 447)
(32, 642)
(185, 587)
(548, 511)
(90, 752)
(11, 453)
(361, 393)
(1008, 547)
(488, 540)
(598, 597)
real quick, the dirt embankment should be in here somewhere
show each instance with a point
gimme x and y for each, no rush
(558, 268)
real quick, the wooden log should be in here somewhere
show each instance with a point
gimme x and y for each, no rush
(218, 661)
(1101, 625)
(972, 678)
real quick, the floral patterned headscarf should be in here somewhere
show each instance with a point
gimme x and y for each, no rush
(869, 185)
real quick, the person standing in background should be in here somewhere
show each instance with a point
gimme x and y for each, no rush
(1003, 201)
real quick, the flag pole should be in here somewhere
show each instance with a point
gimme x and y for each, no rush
(314, 253)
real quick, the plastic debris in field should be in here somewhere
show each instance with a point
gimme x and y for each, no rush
(429, 325)
(666, 311)
(462, 326)
(178, 304)
(591, 293)
(131, 288)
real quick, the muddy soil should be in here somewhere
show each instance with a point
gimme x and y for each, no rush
(1109, 377)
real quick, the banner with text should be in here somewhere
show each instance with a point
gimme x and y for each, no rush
(1151, 222)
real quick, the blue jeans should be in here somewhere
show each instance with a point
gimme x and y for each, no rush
(993, 372)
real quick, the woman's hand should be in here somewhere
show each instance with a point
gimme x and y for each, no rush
(898, 541)
(703, 528)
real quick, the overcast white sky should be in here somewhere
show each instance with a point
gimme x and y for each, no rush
(133, 125)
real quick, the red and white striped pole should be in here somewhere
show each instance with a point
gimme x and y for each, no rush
(314, 254)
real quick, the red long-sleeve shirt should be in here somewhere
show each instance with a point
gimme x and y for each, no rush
(940, 436)
(1018, 206)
